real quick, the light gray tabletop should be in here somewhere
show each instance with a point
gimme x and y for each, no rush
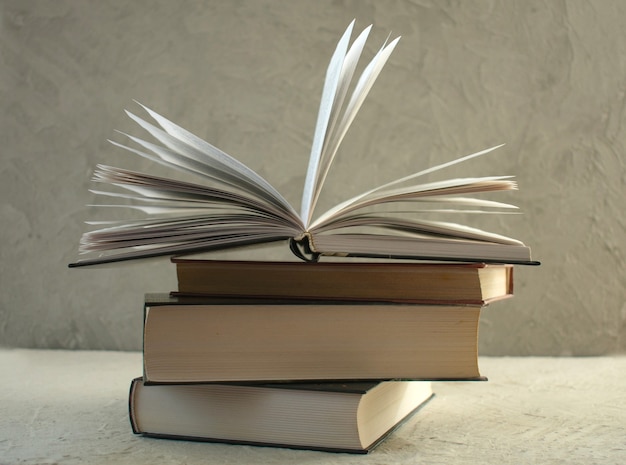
(70, 407)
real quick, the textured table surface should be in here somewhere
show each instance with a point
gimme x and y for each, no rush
(69, 407)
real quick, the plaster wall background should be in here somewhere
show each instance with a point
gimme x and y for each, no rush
(546, 77)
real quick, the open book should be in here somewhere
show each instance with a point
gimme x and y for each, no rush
(234, 206)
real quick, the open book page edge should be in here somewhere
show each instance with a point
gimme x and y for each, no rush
(347, 72)
(428, 192)
(392, 247)
(334, 211)
(331, 84)
(176, 161)
(363, 86)
(417, 228)
(185, 249)
(216, 154)
(181, 147)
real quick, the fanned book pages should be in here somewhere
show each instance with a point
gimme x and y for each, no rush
(234, 206)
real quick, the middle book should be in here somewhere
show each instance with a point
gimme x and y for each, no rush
(204, 340)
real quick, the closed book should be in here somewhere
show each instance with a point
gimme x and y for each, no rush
(348, 417)
(216, 340)
(379, 281)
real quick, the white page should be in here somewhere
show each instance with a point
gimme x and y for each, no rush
(364, 85)
(331, 83)
(155, 187)
(447, 187)
(452, 230)
(182, 144)
(347, 72)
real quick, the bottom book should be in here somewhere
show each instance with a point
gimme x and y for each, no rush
(338, 417)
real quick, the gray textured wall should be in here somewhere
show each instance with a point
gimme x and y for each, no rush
(546, 77)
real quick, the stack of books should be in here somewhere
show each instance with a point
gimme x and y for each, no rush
(329, 356)
(324, 355)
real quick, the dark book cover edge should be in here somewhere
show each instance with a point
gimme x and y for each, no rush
(399, 424)
(295, 383)
(176, 298)
(252, 443)
(255, 299)
(131, 410)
